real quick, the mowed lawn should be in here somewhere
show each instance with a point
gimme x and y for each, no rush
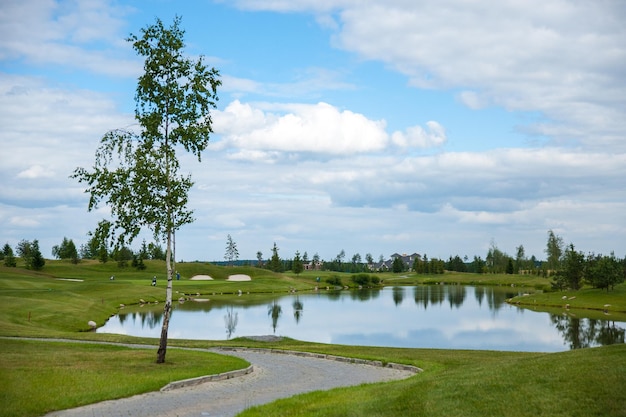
(39, 376)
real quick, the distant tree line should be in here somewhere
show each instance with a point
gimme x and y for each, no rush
(567, 267)
(95, 248)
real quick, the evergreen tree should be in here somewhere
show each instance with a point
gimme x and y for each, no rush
(297, 265)
(275, 263)
(509, 267)
(9, 258)
(398, 265)
(37, 260)
(66, 250)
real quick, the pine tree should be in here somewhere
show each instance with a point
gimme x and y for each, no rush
(275, 263)
(298, 266)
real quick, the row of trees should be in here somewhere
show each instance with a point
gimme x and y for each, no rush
(26, 250)
(31, 255)
(599, 271)
(569, 268)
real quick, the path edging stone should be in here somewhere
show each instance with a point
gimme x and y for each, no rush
(397, 366)
(207, 378)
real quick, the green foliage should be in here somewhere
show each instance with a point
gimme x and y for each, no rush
(31, 255)
(365, 279)
(232, 254)
(509, 267)
(275, 264)
(456, 264)
(122, 255)
(497, 262)
(37, 260)
(137, 174)
(297, 266)
(397, 265)
(554, 251)
(8, 257)
(571, 272)
(66, 250)
(334, 280)
(428, 266)
(138, 262)
(604, 271)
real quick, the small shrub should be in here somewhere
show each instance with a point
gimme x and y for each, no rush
(361, 279)
(334, 280)
(365, 279)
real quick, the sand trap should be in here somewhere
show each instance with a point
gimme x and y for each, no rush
(201, 278)
(69, 279)
(239, 277)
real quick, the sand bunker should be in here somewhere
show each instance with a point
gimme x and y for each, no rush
(201, 278)
(239, 277)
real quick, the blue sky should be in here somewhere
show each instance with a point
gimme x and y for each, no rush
(369, 127)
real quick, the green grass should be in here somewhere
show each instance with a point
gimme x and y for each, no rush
(587, 298)
(39, 376)
(576, 383)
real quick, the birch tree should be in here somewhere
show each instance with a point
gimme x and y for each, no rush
(138, 174)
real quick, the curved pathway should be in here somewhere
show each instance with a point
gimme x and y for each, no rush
(275, 376)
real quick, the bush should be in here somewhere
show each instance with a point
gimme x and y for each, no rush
(334, 280)
(365, 279)
(361, 279)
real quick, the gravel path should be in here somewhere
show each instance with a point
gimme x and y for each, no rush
(275, 376)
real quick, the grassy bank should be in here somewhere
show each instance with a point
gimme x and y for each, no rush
(39, 377)
(59, 301)
(455, 383)
(613, 301)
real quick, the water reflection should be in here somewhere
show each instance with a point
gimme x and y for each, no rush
(274, 310)
(298, 307)
(398, 295)
(440, 316)
(579, 333)
(230, 319)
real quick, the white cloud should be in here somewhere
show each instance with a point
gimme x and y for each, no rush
(47, 133)
(265, 131)
(27, 222)
(35, 171)
(563, 60)
(86, 35)
(417, 137)
(319, 128)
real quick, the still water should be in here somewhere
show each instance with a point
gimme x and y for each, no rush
(435, 316)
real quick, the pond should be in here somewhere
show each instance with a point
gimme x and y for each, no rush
(434, 316)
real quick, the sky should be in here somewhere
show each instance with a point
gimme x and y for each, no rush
(440, 127)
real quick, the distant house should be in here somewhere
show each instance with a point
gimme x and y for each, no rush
(387, 265)
(313, 266)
